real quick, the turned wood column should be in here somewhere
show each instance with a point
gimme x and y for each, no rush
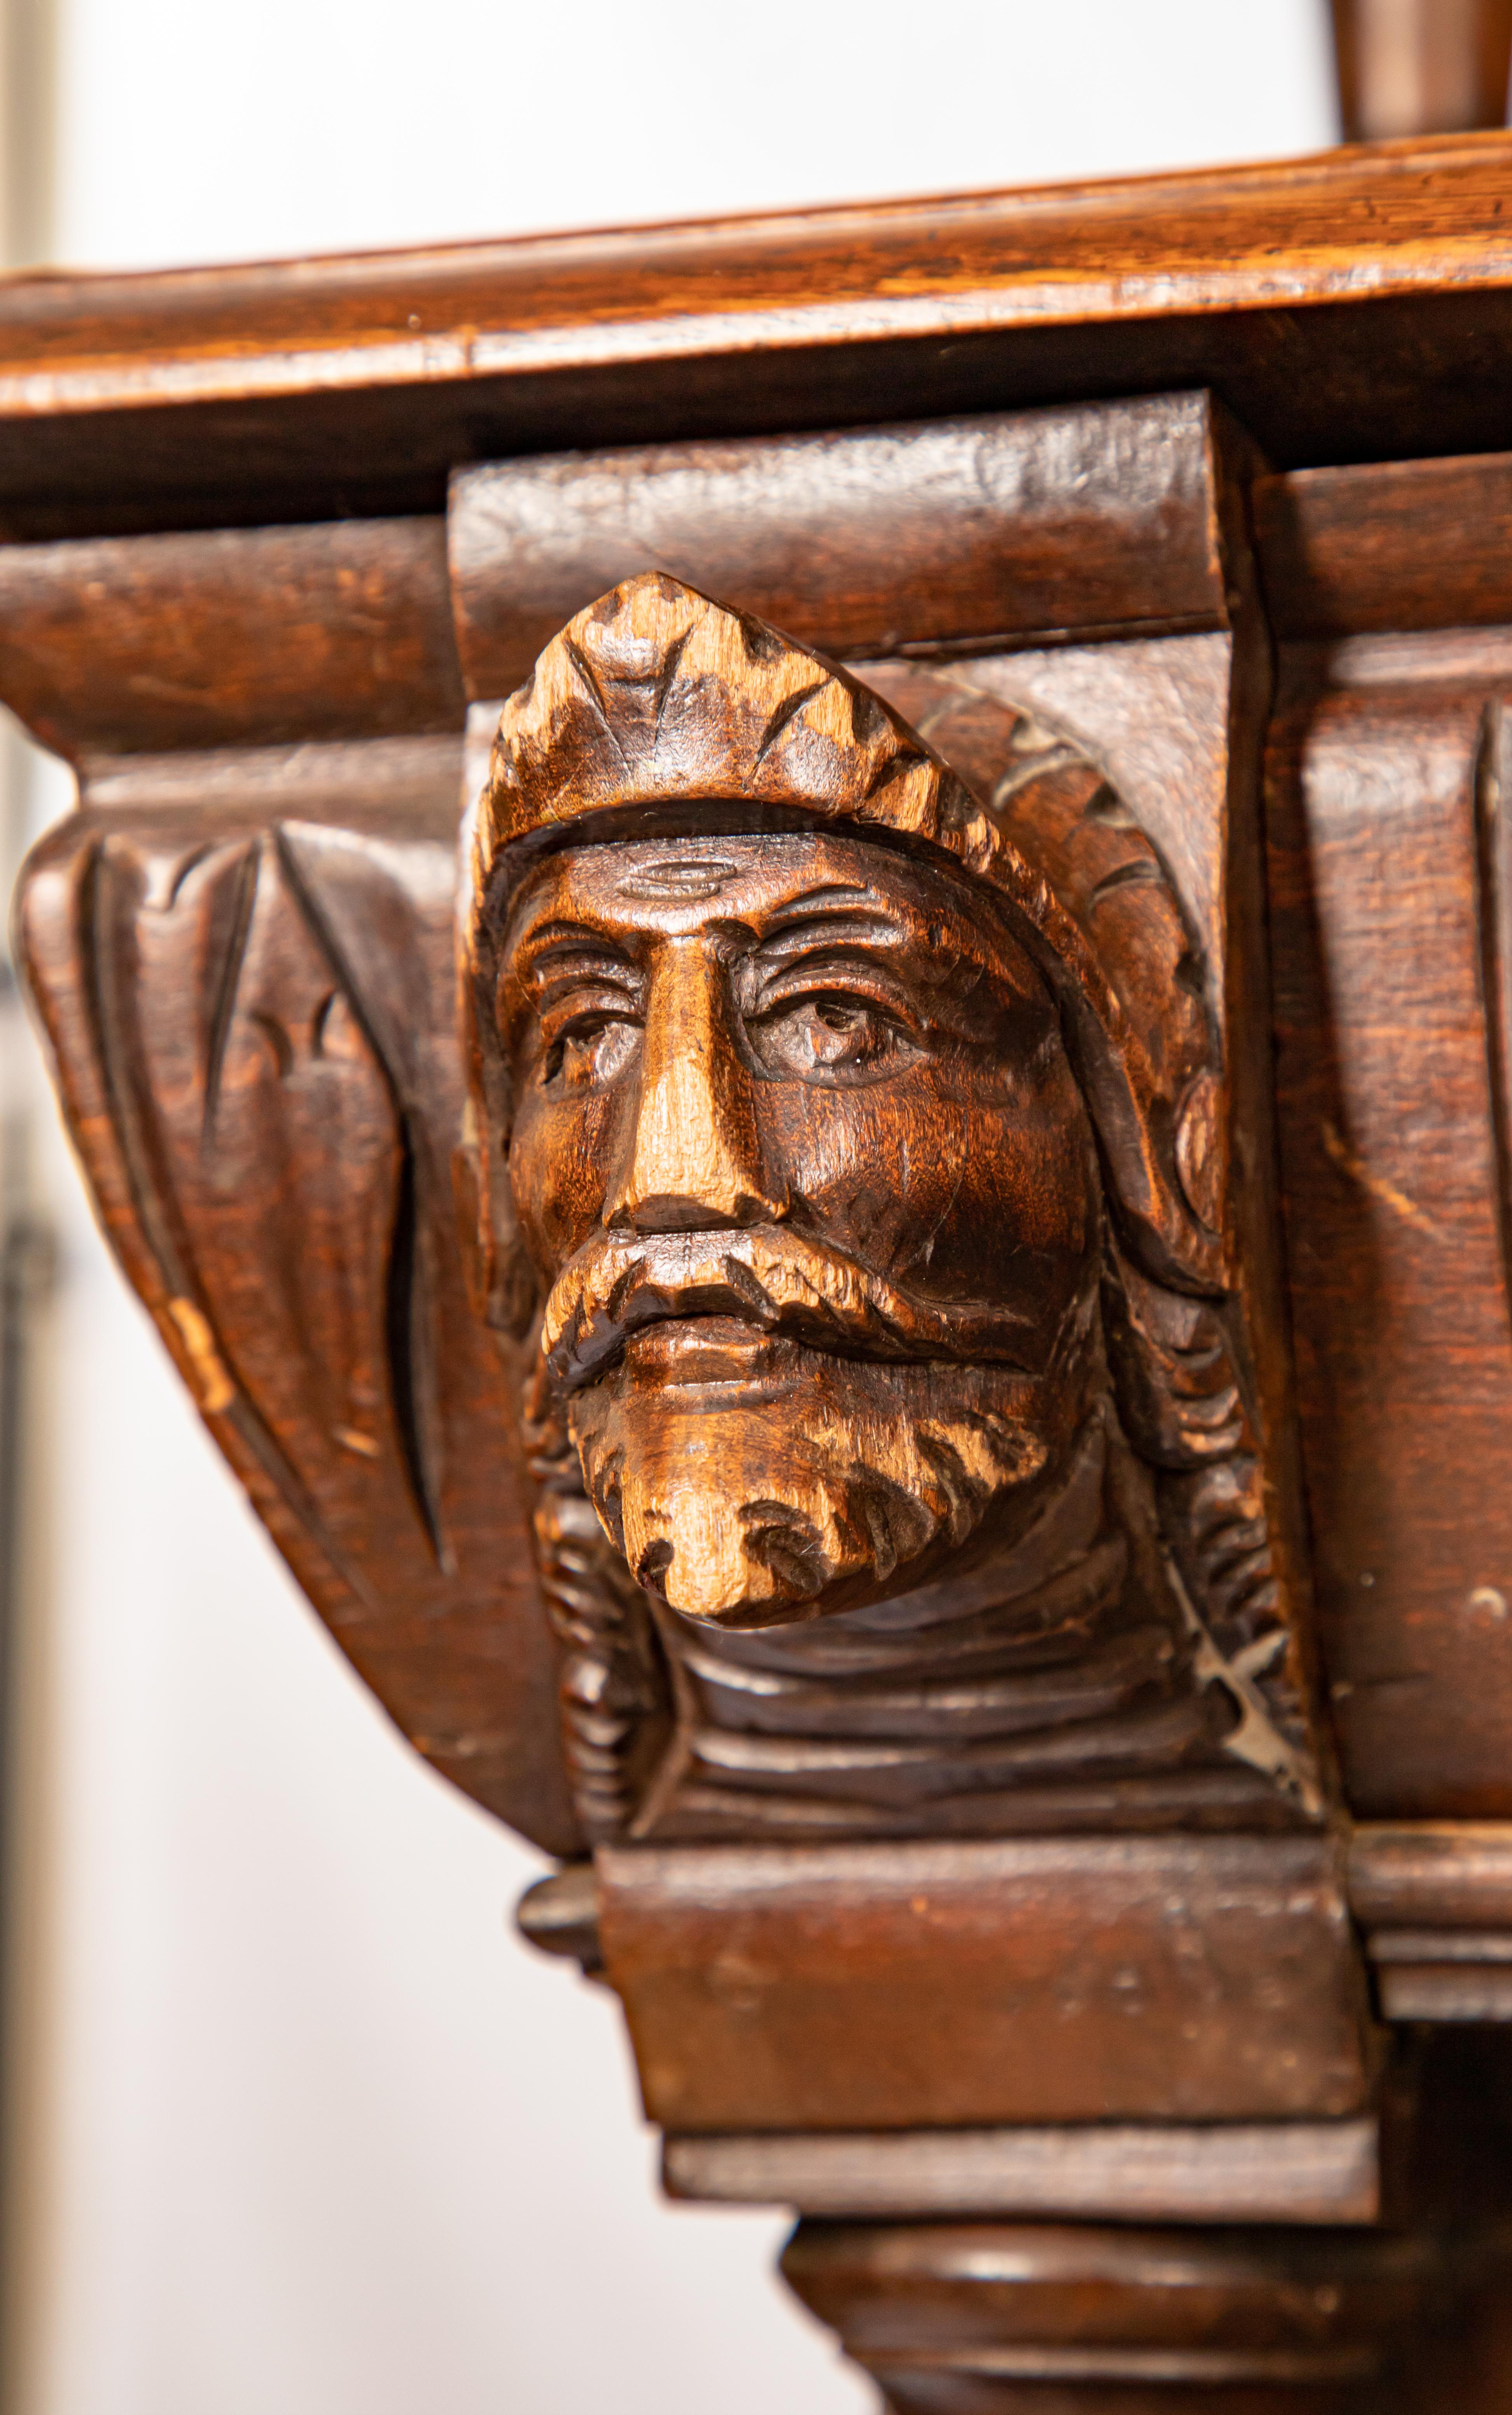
(1421, 67)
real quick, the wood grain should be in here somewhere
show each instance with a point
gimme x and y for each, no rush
(250, 1017)
(907, 433)
(1354, 305)
(296, 632)
(1395, 1222)
(861, 1987)
(789, 1407)
(1405, 544)
(251, 636)
(861, 543)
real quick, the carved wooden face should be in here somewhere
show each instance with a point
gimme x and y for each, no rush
(798, 1154)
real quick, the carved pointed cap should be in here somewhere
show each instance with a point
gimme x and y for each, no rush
(655, 696)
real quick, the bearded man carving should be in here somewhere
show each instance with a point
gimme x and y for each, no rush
(846, 1141)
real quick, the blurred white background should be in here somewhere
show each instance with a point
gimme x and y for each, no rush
(300, 2128)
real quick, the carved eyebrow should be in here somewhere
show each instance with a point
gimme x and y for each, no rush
(854, 923)
(560, 948)
(833, 897)
(830, 935)
(837, 914)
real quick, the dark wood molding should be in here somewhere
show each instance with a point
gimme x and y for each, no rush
(942, 2313)
(245, 637)
(1347, 306)
(865, 545)
(980, 1985)
(1402, 545)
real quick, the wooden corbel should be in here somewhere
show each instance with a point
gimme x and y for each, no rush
(823, 1118)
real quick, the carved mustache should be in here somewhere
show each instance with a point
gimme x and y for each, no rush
(778, 1280)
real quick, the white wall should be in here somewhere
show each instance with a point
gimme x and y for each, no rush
(310, 2132)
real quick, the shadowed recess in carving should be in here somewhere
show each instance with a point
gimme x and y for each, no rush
(407, 1317)
(406, 1328)
(245, 890)
(1494, 903)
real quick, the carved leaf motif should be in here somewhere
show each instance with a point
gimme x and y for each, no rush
(273, 1082)
(256, 1051)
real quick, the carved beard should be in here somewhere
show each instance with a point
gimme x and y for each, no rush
(752, 1479)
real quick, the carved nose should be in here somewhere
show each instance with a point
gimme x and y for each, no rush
(693, 1159)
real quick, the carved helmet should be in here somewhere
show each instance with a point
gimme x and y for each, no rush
(658, 710)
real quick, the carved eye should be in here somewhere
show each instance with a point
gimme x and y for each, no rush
(589, 1052)
(831, 1037)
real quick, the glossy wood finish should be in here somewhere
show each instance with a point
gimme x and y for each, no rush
(1407, 545)
(1014, 2315)
(1436, 1904)
(651, 1183)
(849, 1958)
(268, 996)
(1456, 1874)
(1350, 307)
(257, 637)
(864, 545)
(305, 633)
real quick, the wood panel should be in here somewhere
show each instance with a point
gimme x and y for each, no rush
(1393, 1216)
(863, 543)
(858, 1987)
(1402, 544)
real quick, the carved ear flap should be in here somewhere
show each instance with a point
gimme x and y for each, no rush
(502, 1281)
(1044, 827)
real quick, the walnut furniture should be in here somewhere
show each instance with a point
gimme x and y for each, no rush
(902, 1356)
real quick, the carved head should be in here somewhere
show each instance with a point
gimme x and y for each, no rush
(807, 1103)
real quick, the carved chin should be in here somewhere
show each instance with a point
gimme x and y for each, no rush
(755, 1510)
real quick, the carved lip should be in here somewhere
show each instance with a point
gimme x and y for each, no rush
(711, 1350)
